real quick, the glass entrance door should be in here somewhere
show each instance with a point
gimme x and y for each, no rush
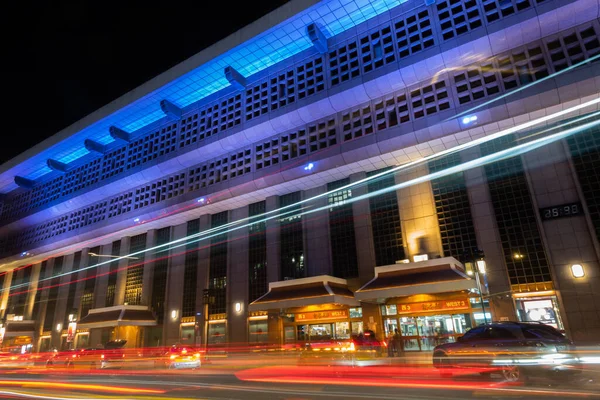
(410, 334)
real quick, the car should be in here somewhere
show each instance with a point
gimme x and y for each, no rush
(180, 357)
(359, 350)
(515, 350)
(106, 356)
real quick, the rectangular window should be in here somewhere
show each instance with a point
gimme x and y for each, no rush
(159, 281)
(87, 298)
(135, 271)
(38, 292)
(17, 295)
(453, 210)
(257, 251)
(385, 221)
(521, 240)
(190, 274)
(112, 275)
(218, 266)
(341, 230)
(291, 238)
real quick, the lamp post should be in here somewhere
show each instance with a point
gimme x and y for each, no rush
(478, 267)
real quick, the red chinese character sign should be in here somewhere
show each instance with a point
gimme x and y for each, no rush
(71, 332)
(437, 305)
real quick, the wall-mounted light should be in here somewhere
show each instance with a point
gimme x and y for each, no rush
(59, 327)
(136, 220)
(420, 257)
(238, 307)
(201, 200)
(577, 271)
(174, 314)
(470, 119)
(481, 266)
(309, 167)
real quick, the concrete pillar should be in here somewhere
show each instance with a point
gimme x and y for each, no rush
(33, 286)
(488, 239)
(568, 241)
(122, 272)
(148, 268)
(372, 319)
(5, 293)
(317, 241)
(102, 279)
(420, 228)
(174, 298)
(202, 282)
(237, 282)
(273, 241)
(61, 302)
(43, 299)
(365, 248)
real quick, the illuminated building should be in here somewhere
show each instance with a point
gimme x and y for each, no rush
(331, 93)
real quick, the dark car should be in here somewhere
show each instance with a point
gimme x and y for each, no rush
(99, 357)
(359, 350)
(516, 350)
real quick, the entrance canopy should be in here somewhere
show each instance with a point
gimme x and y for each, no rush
(437, 275)
(305, 292)
(19, 328)
(109, 317)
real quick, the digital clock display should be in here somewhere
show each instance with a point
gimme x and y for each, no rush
(564, 210)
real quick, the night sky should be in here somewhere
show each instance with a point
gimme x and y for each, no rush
(69, 58)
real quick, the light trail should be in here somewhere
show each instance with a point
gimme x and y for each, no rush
(525, 87)
(235, 225)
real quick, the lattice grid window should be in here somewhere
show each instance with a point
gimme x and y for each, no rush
(458, 17)
(357, 123)
(377, 49)
(343, 63)
(430, 99)
(413, 33)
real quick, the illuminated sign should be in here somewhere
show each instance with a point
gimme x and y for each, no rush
(214, 317)
(438, 305)
(2, 330)
(72, 329)
(335, 314)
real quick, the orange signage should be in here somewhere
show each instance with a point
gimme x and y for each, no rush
(71, 331)
(309, 316)
(438, 305)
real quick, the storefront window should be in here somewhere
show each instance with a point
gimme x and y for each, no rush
(216, 333)
(389, 310)
(83, 341)
(342, 330)
(320, 332)
(259, 331)
(288, 334)
(357, 328)
(356, 312)
(479, 319)
(539, 309)
(187, 335)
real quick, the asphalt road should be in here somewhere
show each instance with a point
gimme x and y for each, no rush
(281, 383)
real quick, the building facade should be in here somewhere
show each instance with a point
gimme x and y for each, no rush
(335, 168)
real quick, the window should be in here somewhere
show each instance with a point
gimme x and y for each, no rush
(480, 332)
(291, 238)
(545, 332)
(501, 333)
(112, 276)
(159, 281)
(135, 271)
(190, 274)
(341, 228)
(218, 266)
(87, 298)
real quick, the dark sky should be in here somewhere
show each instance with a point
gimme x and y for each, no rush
(69, 58)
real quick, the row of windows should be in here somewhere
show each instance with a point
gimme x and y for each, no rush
(409, 34)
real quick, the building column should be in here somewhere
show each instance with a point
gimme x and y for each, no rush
(5, 293)
(316, 235)
(363, 231)
(39, 319)
(61, 301)
(567, 241)
(420, 228)
(148, 274)
(122, 272)
(174, 296)
(488, 239)
(102, 279)
(33, 286)
(237, 282)
(202, 278)
(273, 240)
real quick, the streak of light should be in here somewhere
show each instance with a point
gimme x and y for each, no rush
(80, 386)
(240, 223)
(48, 397)
(524, 87)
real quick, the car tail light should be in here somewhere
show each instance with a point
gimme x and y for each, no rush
(197, 355)
(173, 357)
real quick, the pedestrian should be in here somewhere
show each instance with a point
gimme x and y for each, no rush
(397, 339)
